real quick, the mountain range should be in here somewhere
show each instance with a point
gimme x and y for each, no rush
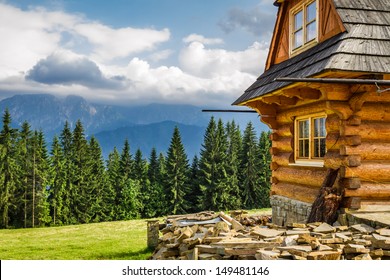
(145, 126)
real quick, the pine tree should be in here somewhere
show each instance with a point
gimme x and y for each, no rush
(194, 195)
(152, 196)
(176, 178)
(128, 189)
(57, 182)
(9, 170)
(66, 139)
(140, 176)
(213, 168)
(101, 194)
(40, 180)
(24, 161)
(81, 199)
(265, 169)
(114, 181)
(250, 166)
(233, 165)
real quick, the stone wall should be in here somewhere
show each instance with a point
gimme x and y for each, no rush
(286, 210)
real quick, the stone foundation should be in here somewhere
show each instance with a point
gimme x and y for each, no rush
(286, 210)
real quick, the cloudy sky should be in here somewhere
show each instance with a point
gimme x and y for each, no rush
(134, 51)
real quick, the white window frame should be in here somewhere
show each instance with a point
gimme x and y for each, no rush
(305, 44)
(310, 160)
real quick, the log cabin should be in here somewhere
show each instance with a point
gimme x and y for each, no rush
(325, 94)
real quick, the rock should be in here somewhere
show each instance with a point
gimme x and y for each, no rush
(290, 240)
(362, 228)
(363, 257)
(384, 232)
(266, 232)
(324, 255)
(355, 249)
(267, 255)
(324, 228)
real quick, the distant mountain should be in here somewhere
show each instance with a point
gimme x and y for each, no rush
(157, 135)
(145, 126)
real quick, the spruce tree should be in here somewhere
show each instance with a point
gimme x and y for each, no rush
(101, 194)
(233, 165)
(194, 195)
(250, 167)
(57, 182)
(176, 177)
(9, 170)
(140, 176)
(265, 169)
(152, 196)
(81, 198)
(40, 180)
(213, 168)
(24, 161)
(66, 139)
(114, 182)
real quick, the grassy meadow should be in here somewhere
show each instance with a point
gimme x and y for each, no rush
(123, 240)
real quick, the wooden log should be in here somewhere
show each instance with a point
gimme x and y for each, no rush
(333, 159)
(370, 190)
(350, 183)
(299, 192)
(285, 130)
(287, 116)
(284, 144)
(334, 141)
(370, 131)
(283, 159)
(375, 112)
(375, 171)
(300, 175)
(354, 120)
(368, 150)
(332, 123)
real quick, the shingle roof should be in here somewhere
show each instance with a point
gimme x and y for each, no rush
(364, 47)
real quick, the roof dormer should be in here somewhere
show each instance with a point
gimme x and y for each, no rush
(300, 25)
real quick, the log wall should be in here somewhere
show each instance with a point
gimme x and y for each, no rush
(357, 142)
(367, 184)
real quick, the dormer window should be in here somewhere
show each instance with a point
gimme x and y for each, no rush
(303, 24)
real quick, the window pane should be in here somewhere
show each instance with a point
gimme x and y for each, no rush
(322, 147)
(311, 31)
(311, 12)
(298, 39)
(298, 21)
(319, 127)
(316, 148)
(304, 129)
(304, 148)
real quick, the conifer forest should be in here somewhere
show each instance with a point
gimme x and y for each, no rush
(69, 182)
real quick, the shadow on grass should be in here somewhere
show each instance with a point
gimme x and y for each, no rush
(143, 254)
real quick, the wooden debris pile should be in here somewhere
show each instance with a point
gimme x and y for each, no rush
(217, 236)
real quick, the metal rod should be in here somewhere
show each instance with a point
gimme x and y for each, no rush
(334, 81)
(228, 111)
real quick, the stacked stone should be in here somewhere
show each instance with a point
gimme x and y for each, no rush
(226, 238)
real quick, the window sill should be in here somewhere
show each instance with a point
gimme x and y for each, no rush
(308, 163)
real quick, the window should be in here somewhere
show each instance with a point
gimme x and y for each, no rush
(310, 138)
(303, 26)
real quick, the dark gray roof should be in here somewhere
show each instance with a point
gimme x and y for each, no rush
(364, 47)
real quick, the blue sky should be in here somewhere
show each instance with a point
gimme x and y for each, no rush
(134, 51)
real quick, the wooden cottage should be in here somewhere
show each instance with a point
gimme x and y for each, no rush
(325, 94)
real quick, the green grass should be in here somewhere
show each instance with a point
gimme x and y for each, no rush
(124, 240)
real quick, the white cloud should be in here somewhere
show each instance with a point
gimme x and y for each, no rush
(200, 61)
(61, 53)
(111, 43)
(30, 35)
(201, 39)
